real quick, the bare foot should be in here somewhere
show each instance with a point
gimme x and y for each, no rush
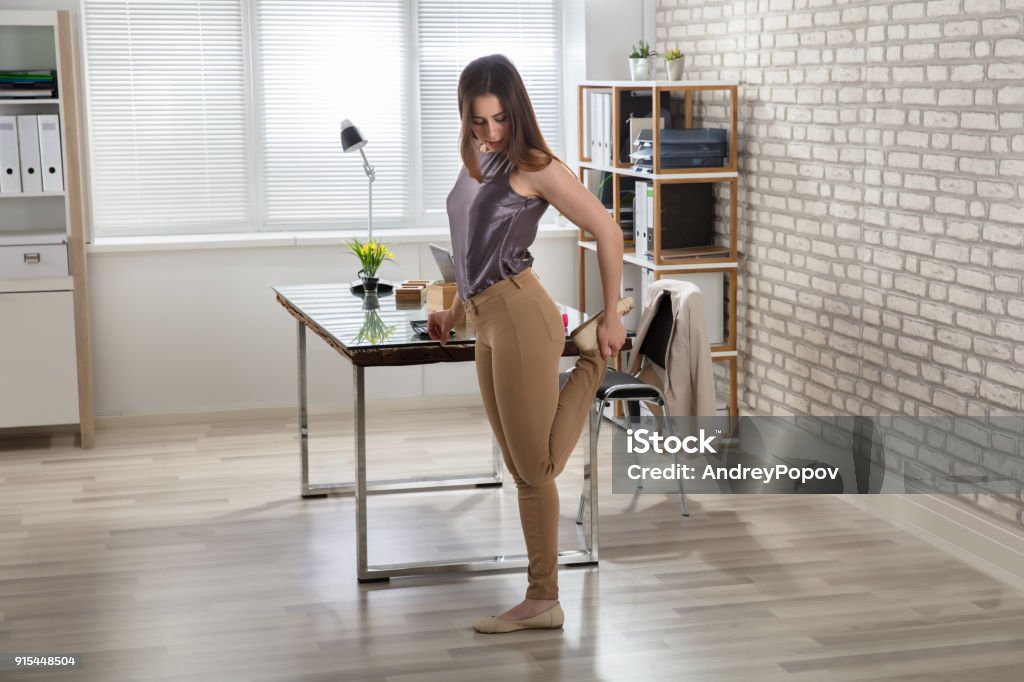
(528, 608)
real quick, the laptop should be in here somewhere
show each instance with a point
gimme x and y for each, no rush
(445, 262)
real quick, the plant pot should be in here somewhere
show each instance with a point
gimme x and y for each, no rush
(641, 68)
(674, 68)
(369, 283)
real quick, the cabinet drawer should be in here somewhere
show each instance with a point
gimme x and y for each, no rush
(38, 368)
(33, 260)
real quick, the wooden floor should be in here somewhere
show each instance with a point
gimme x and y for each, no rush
(185, 553)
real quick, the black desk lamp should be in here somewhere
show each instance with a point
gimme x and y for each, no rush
(353, 140)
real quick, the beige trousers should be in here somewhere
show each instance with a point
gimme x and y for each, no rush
(519, 340)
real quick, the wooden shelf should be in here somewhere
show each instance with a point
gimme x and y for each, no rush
(644, 85)
(693, 263)
(688, 175)
(52, 383)
(29, 101)
(694, 252)
(31, 195)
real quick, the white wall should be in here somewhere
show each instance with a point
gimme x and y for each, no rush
(199, 330)
(612, 27)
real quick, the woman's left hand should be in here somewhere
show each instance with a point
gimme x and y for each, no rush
(611, 335)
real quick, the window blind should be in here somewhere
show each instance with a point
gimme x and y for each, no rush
(167, 113)
(223, 115)
(452, 33)
(321, 62)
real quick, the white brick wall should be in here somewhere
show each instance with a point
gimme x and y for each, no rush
(882, 199)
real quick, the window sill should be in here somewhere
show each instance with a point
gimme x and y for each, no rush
(246, 240)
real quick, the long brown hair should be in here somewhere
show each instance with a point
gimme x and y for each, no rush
(496, 75)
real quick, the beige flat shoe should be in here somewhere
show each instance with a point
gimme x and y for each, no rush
(552, 619)
(585, 335)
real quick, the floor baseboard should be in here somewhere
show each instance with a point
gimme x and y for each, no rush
(255, 413)
(995, 548)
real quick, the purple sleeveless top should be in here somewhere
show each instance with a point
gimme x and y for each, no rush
(492, 227)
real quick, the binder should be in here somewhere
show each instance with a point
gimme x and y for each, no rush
(602, 123)
(649, 217)
(640, 219)
(50, 160)
(10, 168)
(607, 128)
(28, 149)
(595, 127)
(588, 117)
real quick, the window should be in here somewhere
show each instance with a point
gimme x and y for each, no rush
(451, 34)
(167, 116)
(320, 63)
(223, 115)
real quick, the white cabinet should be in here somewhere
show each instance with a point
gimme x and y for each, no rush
(38, 367)
(45, 368)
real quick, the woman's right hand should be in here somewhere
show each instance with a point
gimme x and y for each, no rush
(440, 323)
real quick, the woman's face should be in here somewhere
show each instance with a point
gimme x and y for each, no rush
(490, 123)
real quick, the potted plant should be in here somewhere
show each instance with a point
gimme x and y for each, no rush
(371, 256)
(674, 64)
(641, 62)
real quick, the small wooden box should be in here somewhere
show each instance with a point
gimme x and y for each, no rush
(411, 292)
(409, 295)
(441, 296)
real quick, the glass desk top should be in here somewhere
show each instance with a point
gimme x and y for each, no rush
(376, 330)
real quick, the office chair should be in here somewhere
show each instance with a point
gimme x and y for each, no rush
(626, 388)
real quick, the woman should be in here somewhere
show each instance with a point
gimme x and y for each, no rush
(509, 179)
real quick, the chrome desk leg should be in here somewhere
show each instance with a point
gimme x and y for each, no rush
(586, 465)
(592, 528)
(498, 468)
(303, 416)
(583, 495)
(362, 560)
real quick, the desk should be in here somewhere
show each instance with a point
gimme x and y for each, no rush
(374, 332)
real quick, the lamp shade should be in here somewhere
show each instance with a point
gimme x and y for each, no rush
(351, 139)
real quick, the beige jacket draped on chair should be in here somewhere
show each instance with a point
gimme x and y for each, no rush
(687, 380)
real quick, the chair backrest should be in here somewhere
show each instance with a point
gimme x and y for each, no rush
(655, 345)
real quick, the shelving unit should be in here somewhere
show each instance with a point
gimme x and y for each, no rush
(45, 353)
(721, 256)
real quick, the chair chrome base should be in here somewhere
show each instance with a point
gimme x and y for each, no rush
(596, 418)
